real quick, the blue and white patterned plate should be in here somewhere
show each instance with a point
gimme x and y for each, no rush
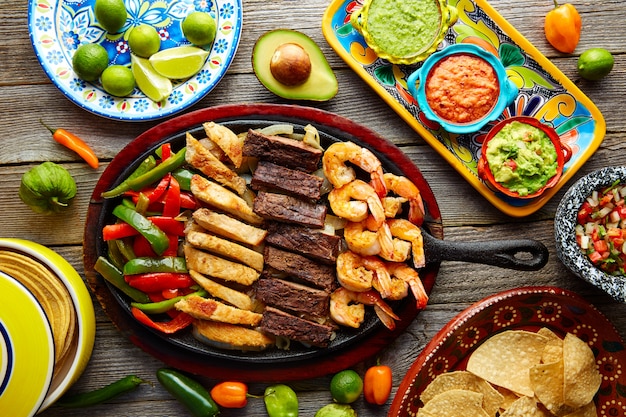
(58, 27)
(565, 220)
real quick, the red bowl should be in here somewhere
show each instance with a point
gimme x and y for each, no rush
(563, 154)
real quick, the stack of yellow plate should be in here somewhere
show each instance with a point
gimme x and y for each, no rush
(47, 326)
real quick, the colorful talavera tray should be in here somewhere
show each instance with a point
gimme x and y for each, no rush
(526, 308)
(544, 92)
(58, 27)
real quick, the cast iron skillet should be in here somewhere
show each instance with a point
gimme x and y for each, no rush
(299, 362)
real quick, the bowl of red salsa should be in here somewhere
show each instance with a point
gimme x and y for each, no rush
(462, 87)
(590, 229)
(522, 157)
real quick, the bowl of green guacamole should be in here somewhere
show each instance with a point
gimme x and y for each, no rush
(522, 157)
(404, 31)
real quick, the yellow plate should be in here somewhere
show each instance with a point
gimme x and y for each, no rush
(26, 350)
(544, 93)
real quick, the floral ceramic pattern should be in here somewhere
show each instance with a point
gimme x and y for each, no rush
(58, 27)
(565, 221)
(545, 93)
(520, 309)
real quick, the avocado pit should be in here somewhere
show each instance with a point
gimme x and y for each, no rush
(290, 64)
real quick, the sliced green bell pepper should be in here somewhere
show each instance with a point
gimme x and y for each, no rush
(157, 238)
(163, 264)
(113, 275)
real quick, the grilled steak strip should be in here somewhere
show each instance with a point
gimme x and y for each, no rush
(282, 151)
(280, 323)
(269, 176)
(305, 241)
(299, 266)
(288, 209)
(293, 297)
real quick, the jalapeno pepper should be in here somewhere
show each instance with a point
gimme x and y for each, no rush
(157, 238)
(113, 275)
(562, 27)
(281, 401)
(100, 395)
(149, 177)
(189, 392)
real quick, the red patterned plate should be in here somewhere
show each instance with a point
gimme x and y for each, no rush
(528, 308)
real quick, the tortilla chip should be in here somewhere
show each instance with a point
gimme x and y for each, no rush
(456, 403)
(553, 352)
(588, 410)
(581, 376)
(525, 407)
(505, 358)
(492, 399)
(508, 397)
(547, 381)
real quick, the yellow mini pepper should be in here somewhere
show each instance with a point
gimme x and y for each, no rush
(562, 27)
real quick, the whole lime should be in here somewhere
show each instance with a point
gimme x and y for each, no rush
(111, 14)
(89, 60)
(199, 28)
(346, 386)
(144, 40)
(118, 80)
(595, 63)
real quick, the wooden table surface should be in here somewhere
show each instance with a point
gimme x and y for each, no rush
(27, 95)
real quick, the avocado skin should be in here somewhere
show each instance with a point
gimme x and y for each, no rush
(320, 86)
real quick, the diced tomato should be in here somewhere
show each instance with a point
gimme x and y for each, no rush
(595, 257)
(600, 246)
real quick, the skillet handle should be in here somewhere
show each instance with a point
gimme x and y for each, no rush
(520, 254)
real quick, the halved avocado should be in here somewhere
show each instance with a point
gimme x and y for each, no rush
(291, 65)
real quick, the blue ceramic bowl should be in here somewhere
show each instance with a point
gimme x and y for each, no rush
(417, 87)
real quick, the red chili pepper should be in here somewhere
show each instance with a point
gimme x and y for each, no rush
(181, 321)
(159, 281)
(74, 143)
(230, 394)
(377, 384)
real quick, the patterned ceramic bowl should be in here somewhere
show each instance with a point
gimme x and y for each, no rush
(462, 87)
(565, 222)
(563, 154)
(391, 27)
(65, 372)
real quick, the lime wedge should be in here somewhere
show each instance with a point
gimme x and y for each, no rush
(155, 86)
(179, 62)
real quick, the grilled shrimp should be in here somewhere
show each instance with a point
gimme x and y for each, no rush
(340, 174)
(406, 230)
(356, 272)
(405, 188)
(348, 308)
(355, 200)
(400, 271)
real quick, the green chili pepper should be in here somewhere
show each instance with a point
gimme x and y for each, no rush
(86, 399)
(157, 238)
(281, 401)
(189, 392)
(139, 182)
(113, 275)
(165, 305)
(164, 264)
(183, 176)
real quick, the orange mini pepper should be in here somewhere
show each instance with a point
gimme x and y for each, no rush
(230, 394)
(377, 384)
(74, 143)
(562, 27)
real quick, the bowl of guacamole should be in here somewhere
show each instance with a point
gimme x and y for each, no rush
(522, 157)
(404, 31)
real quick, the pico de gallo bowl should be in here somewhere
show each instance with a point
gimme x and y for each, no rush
(590, 229)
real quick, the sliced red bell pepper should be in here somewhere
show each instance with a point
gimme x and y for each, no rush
(166, 151)
(181, 321)
(154, 194)
(188, 201)
(159, 281)
(142, 248)
(172, 249)
(171, 207)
